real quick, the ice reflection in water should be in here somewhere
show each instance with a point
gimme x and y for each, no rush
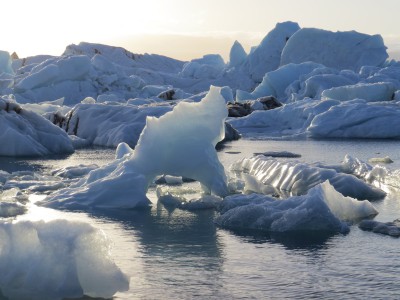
(182, 255)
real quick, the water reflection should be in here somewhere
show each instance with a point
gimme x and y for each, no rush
(291, 241)
(180, 251)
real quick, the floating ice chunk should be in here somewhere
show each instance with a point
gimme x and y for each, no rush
(12, 203)
(32, 182)
(9, 209)
(372, 92)
(380, 160)
(387, 228)
(170, 200)
(294, 178)
(286, 154)
(164, 147)
(24, 133)
(58, 259)
(74, 171)
(322, 209)
(340, 50)
(346, 208)
(358, 119)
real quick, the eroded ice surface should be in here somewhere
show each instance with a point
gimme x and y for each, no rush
(164, 147)
(321, 209)
(25, 133)
(55, 260)
(268, 175)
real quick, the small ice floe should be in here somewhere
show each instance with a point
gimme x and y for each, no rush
(169, 180)
(380, 160)
(56, 260)
(12, 203)
(323, 209)
(34, 182)
(72, 172)
(388, 228)
(285, 154)
(172, 200)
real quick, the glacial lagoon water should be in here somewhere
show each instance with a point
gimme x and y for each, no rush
(174, 254)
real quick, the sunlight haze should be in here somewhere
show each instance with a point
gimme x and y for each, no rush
(183, 29)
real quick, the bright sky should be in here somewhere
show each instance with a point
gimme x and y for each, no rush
(182, 29)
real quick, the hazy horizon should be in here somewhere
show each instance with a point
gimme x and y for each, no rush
(182, 29)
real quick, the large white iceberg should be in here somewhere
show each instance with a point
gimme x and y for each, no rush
(341, 50)
(56, 260)
(179, 143)
(322, 209)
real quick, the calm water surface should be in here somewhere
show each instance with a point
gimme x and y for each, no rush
(182, 255)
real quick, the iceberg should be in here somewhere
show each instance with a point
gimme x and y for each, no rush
(387, 228)
(114, 123)
(263, 174)
(266, 57)
(164, 147)
(371, 92)
(324, 119)
(25, 133)
(358, 119)
(274, 83)
(321, 209)
(56, 260)
(341, 50)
